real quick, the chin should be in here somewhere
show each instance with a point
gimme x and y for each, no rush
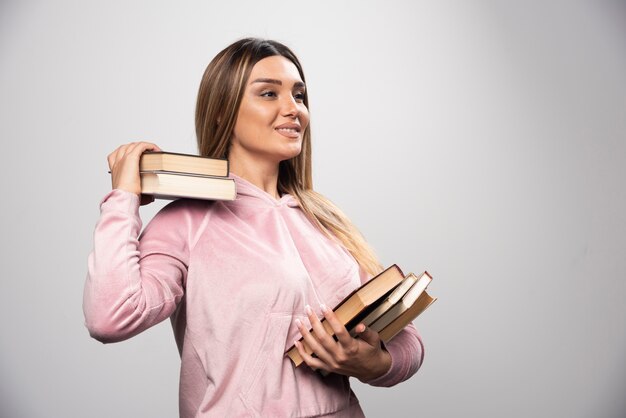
(291, 153)
(287, 158)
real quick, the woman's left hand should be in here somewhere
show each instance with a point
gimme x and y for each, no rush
(363, 357)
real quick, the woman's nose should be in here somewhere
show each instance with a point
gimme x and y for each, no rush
(290, 107)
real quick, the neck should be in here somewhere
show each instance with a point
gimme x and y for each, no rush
(262, 174)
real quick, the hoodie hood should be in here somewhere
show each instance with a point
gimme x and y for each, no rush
(249, 194)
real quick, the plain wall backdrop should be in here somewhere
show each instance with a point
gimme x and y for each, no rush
(482, 141)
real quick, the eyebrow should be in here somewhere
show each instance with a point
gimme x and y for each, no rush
(297, 84)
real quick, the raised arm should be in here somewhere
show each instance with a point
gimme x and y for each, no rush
(132, 285)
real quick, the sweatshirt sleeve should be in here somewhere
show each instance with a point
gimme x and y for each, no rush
(407, 354)
(133, 283)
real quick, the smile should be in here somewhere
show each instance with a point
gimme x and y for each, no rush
(289, 132)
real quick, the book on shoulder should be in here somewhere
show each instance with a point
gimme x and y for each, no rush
(183, 163)
(377, 299)
(170, 175)
(173, 186)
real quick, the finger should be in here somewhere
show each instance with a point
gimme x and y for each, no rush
(144, 146)
(113, 156)
(340, 331)
(111, 159)
(138, 148)
(313, 343)
(119, 154)
(130, 147)
(125, 170)
(368, 335)
(313, 362)
(321, 333)
(134, 150)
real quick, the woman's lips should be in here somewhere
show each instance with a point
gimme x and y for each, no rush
(289, 132)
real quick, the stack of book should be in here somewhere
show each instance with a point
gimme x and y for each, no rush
(167, 175)
(386, 304)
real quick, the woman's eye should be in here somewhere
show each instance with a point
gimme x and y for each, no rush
(299, 96)
(268, 93)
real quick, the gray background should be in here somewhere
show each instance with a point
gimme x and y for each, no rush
(483, 141)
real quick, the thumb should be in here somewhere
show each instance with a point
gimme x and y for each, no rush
(368, 335)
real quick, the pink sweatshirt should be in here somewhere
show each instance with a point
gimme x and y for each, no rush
(233, 277)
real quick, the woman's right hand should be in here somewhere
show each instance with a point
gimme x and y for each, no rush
(124, 166)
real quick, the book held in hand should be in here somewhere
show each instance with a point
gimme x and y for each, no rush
(173, 186)
(406, 317)
(387, 303)
(167, 175)
(183, 163)
(390, 301)
(409, 301)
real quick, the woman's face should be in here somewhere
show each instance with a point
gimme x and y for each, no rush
(272, 116)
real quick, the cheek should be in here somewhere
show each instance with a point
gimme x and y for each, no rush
(304, 117)
(263, 119)
(250, 122)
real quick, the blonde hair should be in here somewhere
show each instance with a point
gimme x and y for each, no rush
(219, 97)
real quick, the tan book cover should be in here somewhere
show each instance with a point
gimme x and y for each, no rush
(173, 186)
(354, 306)
(422, 303)
(183, 163)
(405, 302)
(392, 302)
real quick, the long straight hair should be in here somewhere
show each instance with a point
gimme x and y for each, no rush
(219, 97)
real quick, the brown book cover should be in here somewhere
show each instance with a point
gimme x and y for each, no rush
(395, 297)
(373, 305)
(422, 303)
(358, 304)
(406, 301)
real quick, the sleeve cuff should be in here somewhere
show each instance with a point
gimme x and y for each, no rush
(392, 376)
(118, 200)
(407, 354)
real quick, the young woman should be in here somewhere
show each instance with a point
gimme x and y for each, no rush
(242, 280)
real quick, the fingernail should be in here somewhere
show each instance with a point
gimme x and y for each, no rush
(324, 308)
(298, 323)
(307, 310)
